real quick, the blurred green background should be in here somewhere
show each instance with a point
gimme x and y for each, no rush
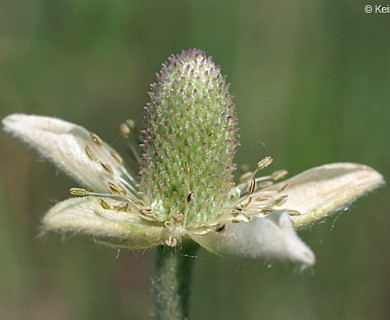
(311, 81)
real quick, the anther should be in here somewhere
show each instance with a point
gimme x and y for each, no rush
(293, 213)
(281, 200)
(263, 197)
(146, 210)
(234, 213)
(123, 206)
(104, 204)
(264, 163)
(90, 153)
(246, 202)
(96, 139)
(266, 211)
(252, 186)
(284, 186)
(117, 157)
(115, 189)
(220, 227)
(130, 123)
(125, 130)
(79, 192)
(265, 184)
(107, 168)
(278, 174)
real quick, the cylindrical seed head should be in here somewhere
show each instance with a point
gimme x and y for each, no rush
(189, 140)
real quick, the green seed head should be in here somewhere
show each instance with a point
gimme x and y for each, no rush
(189, 141)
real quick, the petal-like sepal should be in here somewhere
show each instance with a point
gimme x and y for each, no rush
(271, 237)
(319, 192)
(119, 228)
(78, 152)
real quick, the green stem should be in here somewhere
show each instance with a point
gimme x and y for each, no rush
(173, 280)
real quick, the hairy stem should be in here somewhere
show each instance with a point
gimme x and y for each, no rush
(173, 280)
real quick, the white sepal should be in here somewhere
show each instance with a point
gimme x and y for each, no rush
(319, 192)
(66, 145)
(271, 237)
(86, 215)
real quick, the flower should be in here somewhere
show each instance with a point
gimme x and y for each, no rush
(185, 190)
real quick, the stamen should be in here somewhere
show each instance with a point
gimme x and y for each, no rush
(252, 186)
(96, 139)
(266, 211)
(114, 188)
(90, 153)
(123, 206)
(264, 163)
(79, 192)
(146, 210)
(125, 130)
(117, 192)
(281, 200)
(107, 168)
(130, 123)
(279, 174)
(220, 227)
(117, 157)
(234, 213)
(265, 184)
(284, 186)
(293, 213)
(246, 202)
(104, 204)
(263, 197)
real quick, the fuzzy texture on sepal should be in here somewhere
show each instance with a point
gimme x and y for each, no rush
(271, 237)
(322, 191)
(78, 152)
(111, 227)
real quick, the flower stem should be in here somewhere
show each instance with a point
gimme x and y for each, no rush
(173, 280)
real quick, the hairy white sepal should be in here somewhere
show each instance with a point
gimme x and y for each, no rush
(65, 144)
(319, 192)
(86, 215)
(271, 237)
